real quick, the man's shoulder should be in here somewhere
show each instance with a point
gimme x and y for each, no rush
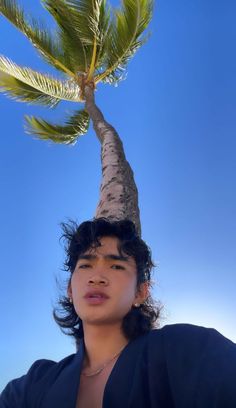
(41, 374)
(180, 330)
(44, 366)
(38, 371)
(189, 338)
(197, 365)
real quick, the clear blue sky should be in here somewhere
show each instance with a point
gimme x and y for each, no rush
(176, 116)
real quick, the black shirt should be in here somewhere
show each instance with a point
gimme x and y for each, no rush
(178, 366)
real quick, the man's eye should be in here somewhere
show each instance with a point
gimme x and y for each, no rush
(83, 266)
(115, 266)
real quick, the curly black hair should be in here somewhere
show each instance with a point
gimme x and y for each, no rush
(80, 238)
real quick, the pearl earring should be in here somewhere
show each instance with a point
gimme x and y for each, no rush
(136, 304)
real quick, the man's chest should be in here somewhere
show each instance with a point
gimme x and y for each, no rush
(91, 390)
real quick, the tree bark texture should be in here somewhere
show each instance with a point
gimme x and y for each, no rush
(118, 191)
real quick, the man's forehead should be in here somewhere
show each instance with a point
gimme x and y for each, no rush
(106, 242)
(110, 248)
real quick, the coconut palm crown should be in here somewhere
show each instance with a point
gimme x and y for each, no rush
(92, 43)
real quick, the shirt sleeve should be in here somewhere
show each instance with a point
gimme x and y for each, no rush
(201, 367)
(15, 394)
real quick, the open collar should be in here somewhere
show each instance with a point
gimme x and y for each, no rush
(119, 387)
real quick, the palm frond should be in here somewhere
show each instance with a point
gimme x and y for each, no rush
(124, 38)
(89, 18)
(75, 126)
(70, 40)
(83, 26)
(54, 89)
(21, 92)
(103, 28)
(46, 42)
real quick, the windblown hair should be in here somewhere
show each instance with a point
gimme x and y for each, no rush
(79, 239)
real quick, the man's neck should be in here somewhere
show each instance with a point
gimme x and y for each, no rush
(102, 343)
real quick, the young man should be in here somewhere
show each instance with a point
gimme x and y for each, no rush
(122, 360)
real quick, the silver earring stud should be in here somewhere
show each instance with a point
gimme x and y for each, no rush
(136, 304)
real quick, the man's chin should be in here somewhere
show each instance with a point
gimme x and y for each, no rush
(101, 321)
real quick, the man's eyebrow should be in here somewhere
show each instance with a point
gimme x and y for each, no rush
(90, 257)
(116, 257)
(87, 256)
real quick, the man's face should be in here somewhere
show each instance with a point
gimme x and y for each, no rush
(104, 284)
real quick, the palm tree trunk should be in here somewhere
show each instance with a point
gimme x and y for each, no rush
(118, 191)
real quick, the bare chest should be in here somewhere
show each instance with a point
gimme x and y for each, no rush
(91, 390)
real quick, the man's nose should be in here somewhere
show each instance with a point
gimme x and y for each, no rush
(98, 280)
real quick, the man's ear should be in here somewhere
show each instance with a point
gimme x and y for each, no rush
(143, 292)
(69, 291)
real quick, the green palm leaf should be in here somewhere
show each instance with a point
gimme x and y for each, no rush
(22, 92)
(77, 52)
(88, 17)
(47, 43)
(75, 126)
(124, 38)
(53, 89)
(83, 26)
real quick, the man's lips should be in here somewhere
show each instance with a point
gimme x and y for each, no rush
(96, 295)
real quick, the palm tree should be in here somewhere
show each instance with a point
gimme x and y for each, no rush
(92, 43)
